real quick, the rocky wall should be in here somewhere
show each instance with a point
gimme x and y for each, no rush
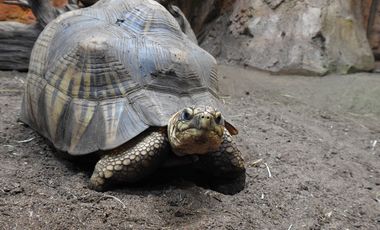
(371, 15)
(15, 13)
(313, 37)
(298, 37)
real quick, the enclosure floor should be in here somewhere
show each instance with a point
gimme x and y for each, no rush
(310, 145)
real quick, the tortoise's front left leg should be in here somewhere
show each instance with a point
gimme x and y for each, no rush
(132, 161)
(225, 166)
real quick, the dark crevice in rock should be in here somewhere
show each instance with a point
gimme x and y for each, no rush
(273, 4)
(320, 41)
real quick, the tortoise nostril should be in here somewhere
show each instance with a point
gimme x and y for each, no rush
(203, 117)
(207, 117)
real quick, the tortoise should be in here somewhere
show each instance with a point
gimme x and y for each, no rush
(121, 79)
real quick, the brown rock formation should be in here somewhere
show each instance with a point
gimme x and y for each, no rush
(15, 13)
(22, 14)
(302, 37)
(199, 13)
(17, 39)
(371, 13)
(366, 8)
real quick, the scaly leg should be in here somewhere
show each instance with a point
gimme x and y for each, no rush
(225, 166)
(131, 161)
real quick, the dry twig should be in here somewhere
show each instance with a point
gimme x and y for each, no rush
(115, 198)
(26, 141)
(269, 173)
(256, 162)
(374, 144)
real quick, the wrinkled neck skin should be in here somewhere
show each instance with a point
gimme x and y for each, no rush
(198, 135)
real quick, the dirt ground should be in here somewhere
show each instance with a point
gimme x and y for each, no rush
(310, 145)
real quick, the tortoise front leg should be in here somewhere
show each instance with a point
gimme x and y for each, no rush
(131, 161)
(225, 166)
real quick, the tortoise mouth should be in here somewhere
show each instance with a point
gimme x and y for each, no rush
(196, 141)
(200, 132)
(198, 135)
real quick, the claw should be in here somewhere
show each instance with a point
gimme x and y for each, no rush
(96, 183)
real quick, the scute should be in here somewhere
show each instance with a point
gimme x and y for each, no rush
(97, 78)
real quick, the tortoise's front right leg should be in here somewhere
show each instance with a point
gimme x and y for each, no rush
(225, 166)
(131, 161)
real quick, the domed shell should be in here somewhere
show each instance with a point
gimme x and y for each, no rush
(100, 76)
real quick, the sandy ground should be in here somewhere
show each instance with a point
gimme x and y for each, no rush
(311, 152)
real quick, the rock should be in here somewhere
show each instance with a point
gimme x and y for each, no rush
(16, 42)
(15, 13)
(273, 3)
(183, 22)
(366, 9)
(199, 13)
(371, 10)
(17, 39)
(22, 14)
(294, 37)
(347, 47)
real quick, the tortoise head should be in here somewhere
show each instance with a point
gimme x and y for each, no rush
(197, 130)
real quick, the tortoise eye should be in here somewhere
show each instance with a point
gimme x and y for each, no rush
(186, 114)
(218, 118)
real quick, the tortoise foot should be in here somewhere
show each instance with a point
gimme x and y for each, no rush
(97, 183)
(225, 167)
(130, 162)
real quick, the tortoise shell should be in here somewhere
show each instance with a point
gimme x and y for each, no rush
(100, 76)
